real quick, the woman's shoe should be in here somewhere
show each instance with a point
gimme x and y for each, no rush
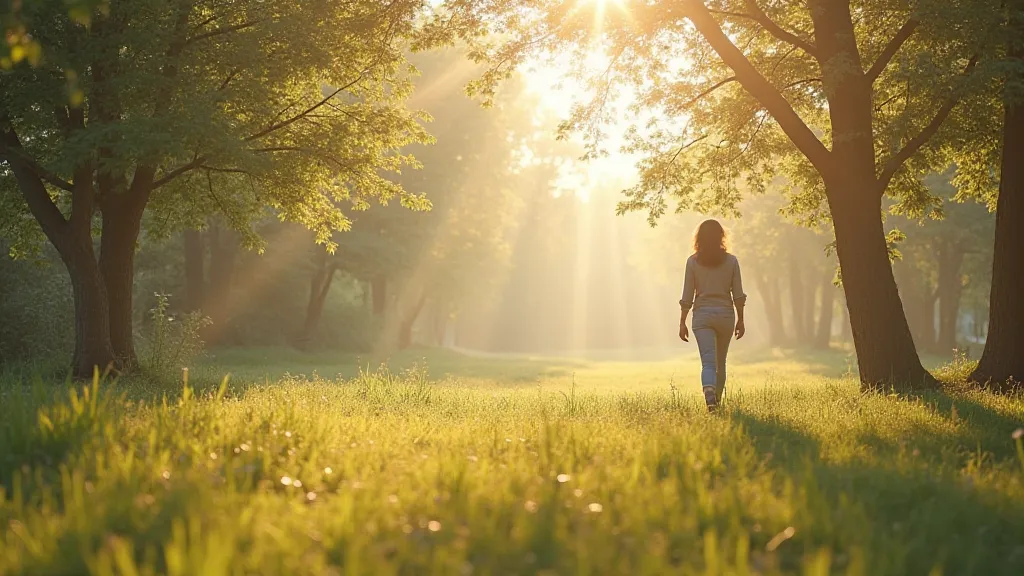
(710, 398)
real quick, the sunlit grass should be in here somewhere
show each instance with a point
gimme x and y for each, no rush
(422, 472)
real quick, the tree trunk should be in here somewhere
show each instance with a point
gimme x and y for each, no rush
(405, 328)
(319, 287)
(823, 337)
(809, 300)
(195, 281)
(796, 299)
(439, 322)
(768, 287)
(918, 303)
(950, 290)
(223, 252)
(72, 237)
(886, 355)
(92, 313)
(122, 222)
(379, 290)
(1002, 362)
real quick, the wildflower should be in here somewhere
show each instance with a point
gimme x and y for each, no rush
(286, 480)
(595, 507)
(530, 506)
(213, 455)
(287, 434)
(393, 499)
(166, 475)
(297, 483)
(563, 478)
(1018, 434)
(577, 493)
(433, 525)
(328, 471)
(310, 496)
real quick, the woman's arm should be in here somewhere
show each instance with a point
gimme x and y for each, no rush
(686, 302)
(739, 299)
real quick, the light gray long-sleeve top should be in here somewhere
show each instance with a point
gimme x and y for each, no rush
(719, 286)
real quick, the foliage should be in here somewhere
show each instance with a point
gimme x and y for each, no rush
(398, 473)
(36, 309)
(703, 138)
(242, 106)
(172, 343)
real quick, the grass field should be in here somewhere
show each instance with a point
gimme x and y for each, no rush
(450, 464)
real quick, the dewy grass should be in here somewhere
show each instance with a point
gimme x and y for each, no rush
(385, 473)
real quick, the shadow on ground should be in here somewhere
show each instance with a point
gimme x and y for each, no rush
(904, 517)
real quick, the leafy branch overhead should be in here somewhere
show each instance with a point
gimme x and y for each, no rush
(255, 96)
(732, 93)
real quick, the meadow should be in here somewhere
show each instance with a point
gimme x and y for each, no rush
(444, 463)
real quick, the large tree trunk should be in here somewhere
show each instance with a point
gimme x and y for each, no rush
(768, 287)
(886, 354)
(121, 225)
(1002, 362)
(92, 313)
(950, 289)
(319, 287)
(195, 281)
(823, 337)
(72, 237)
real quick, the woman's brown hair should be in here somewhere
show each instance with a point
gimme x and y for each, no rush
(709, 243)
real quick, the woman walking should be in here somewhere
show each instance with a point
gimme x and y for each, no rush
(714, 291)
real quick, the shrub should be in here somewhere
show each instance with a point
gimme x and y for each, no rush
(172, 343)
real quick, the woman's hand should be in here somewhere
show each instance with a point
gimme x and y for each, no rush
(684, 334)
(740, 329)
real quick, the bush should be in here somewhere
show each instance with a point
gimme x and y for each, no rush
(172, 343)
(37, 309)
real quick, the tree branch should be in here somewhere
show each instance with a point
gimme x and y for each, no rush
(779, 32)
(905, 32)
(705, 93)
(300, 115)
(896, 162)
(169, 176)
(221, 31)
(759, 87)
(31, 185)
(796, 83)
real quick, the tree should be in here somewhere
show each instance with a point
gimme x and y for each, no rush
(436, 260)
(940, 258)
(823, 92)
(1002, 364)
(183, 108)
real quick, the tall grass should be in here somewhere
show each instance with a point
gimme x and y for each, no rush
(387, 473)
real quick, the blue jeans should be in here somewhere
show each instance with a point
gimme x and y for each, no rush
(713, 328)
